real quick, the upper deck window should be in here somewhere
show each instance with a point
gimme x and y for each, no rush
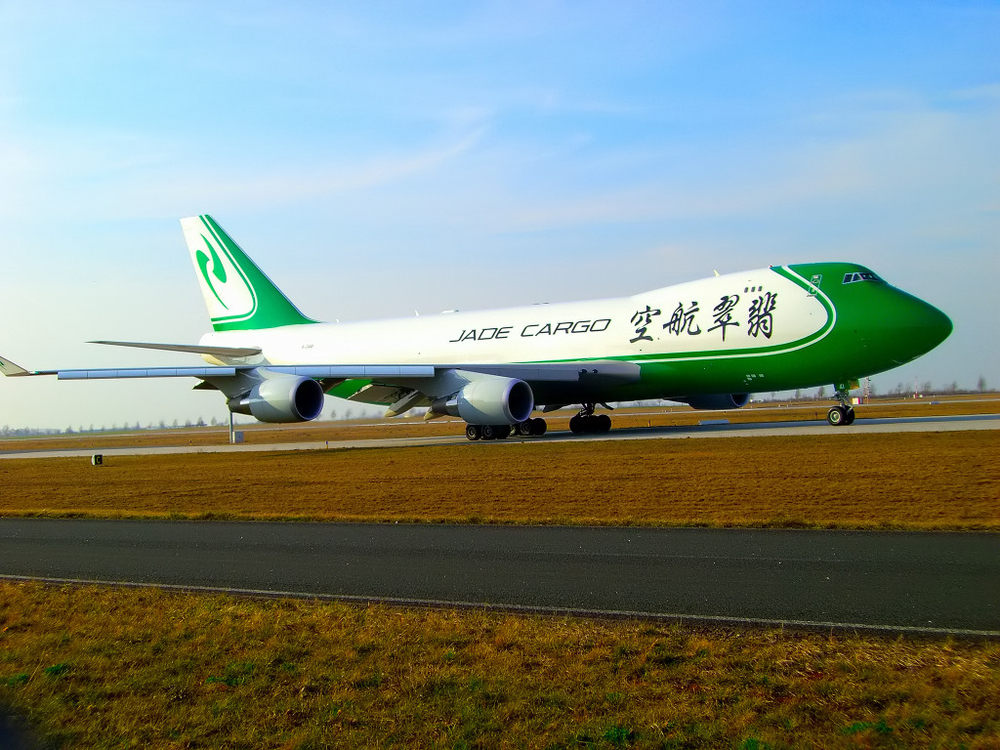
(850, 278)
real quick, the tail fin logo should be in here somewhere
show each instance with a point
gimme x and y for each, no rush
(238, 295)
(218, 270)
(225, 285)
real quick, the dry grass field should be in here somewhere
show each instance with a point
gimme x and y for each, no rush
(99, 667)
(905, 480)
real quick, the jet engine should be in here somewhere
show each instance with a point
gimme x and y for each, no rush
(718, 401)
(282, 398)
(489, 399)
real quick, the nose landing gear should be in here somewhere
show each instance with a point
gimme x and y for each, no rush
(842, 414)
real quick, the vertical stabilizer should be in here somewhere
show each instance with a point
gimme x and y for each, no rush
(238, 295)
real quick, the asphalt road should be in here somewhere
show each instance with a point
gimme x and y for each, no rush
(897, 581)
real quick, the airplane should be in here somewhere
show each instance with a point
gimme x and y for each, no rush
(708, 343)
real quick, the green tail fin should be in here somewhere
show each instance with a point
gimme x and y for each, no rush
(238, 295)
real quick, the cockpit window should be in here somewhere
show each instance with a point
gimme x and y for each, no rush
(850, 278)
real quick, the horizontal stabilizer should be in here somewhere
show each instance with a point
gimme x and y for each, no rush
(213, 351)
(12, 369)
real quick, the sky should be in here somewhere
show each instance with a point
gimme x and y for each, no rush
(378, 159)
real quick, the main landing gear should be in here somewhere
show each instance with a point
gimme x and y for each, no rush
(588, 423)
(584, 423)
(531, 427)
(842, 414)
(528, 428)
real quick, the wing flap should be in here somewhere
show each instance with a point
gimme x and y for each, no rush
(147, 372)
(350, 372)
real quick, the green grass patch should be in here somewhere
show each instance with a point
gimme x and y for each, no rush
(106, 667)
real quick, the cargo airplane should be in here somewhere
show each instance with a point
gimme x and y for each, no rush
(707, 343)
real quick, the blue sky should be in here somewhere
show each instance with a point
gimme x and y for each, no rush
(381, 158)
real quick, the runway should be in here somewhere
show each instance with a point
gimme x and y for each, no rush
(710, 429)
(906, 582)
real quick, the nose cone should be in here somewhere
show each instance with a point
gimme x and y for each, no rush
(911, 327)
(935, 324)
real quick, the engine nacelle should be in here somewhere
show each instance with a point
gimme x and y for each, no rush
(718, 401)
(282, 398)
(490, 399)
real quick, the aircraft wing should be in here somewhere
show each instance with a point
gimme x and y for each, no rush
(402, 386)
(570, 372)
(546, 372)
(317, 372)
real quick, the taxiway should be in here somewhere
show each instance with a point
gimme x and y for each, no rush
(916, 582)
(709, 429)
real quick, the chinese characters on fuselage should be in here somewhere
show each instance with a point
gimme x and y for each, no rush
(641, 321)
(757, 319)
(682, 320)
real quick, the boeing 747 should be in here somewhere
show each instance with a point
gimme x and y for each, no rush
(707, 343)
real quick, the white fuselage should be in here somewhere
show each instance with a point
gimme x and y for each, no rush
(751, 310)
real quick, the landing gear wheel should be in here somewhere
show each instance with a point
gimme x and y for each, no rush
(494, 431)
(843, 414)
(530, 428)
(473, 432)
(588, 423)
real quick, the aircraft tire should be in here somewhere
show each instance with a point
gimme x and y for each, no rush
(603, 423)
(524, 429)
(488, 432)
(502, 431)
(837, 416)
(537, 427)
(849, 420)
(472, 432)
